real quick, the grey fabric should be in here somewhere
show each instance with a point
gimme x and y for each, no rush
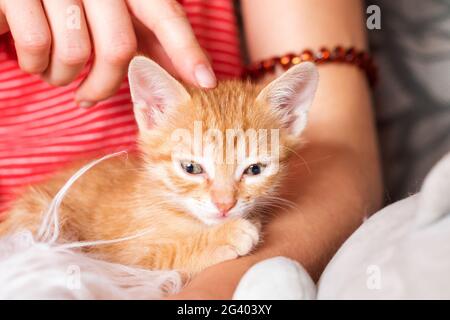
(413, 96)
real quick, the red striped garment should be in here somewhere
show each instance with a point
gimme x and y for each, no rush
(41, 128)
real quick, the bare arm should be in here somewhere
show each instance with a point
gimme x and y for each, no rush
(340, 182)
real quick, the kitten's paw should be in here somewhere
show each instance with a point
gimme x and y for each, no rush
(240, 237)
(224, 253)
(243, 236)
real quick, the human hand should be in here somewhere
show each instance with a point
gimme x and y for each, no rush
(50, 44)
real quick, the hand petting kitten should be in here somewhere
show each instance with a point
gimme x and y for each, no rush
(201, 192)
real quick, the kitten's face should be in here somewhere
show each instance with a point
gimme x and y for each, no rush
(212, 189)
(216, 181)
(220, 153)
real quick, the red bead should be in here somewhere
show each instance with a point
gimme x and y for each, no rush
(269, 64)
(350, 55)
(339, 54)
(255, 70)
(362, 59)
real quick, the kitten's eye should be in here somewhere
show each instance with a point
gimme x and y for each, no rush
(255, 169)
(191, 167)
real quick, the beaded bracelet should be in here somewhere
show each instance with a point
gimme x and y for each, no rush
(340, 55)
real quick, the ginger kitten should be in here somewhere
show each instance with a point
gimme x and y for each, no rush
(199, 194)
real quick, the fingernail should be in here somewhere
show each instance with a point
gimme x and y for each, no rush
(85, 104)
(204, 76)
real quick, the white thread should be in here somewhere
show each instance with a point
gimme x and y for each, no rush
(51, 217)
(81, 244)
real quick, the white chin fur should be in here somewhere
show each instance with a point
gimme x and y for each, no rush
(212, 221)
(207, 213)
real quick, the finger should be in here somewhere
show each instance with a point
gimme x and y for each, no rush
(166, 18)
(114, 44)
(71, 45)
(29, 28)
(3, 23)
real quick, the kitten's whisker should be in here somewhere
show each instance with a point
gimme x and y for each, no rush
(300, 157)
(280, 201)
(273, 205)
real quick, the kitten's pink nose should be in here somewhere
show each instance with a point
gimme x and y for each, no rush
(224, 198)
(225, 206)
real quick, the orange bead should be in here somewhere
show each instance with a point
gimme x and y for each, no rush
(286, 60)
(307, 55)
(296, 60)
(323, 55)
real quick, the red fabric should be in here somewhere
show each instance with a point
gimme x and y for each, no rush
(42, 129)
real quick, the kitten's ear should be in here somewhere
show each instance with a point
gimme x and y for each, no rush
(153, 91)
(291, 95)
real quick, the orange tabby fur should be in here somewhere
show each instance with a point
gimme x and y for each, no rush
(129, 194)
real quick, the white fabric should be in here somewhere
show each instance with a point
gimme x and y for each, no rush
(277, 278)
